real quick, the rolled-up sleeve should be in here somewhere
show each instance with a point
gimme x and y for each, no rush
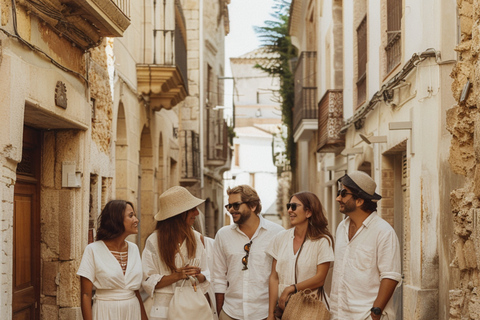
(388, 255)
(151, 275)
(202, 255)
(219, 273)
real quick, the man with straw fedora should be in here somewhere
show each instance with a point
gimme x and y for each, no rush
(367, 266)
(174, 252)
(241, 266)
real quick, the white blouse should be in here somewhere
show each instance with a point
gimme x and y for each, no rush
(154, 269)
(115, 292)
(314, 253)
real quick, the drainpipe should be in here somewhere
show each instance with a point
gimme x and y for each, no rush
(202, 93)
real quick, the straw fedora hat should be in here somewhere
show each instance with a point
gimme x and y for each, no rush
(175, 201)
(362, 182)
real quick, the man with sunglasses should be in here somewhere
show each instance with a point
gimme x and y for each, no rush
(367, 266)
(241, 266)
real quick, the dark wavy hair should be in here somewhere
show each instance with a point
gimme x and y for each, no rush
(110, 221)
(248, 195)
(368, 205)
(317, 223)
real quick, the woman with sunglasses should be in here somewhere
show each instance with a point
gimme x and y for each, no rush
(302, 254)
(174, 252)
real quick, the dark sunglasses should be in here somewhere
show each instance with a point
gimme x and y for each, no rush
(344, 192)
(293, 205)
(235, 205)
(246, 247)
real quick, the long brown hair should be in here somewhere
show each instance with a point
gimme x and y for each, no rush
(169, 233)
(317, 223)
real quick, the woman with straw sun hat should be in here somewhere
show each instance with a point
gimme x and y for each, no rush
(174, 251)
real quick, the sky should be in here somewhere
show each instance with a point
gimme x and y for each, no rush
(243, 15)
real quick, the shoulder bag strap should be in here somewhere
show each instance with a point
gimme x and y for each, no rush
(296, 260)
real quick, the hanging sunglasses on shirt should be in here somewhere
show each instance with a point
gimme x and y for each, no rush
(246, 247)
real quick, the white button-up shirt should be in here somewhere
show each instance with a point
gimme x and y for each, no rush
(246, 291)
(371, 255)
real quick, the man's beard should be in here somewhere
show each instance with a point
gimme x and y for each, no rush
(348, 208)
(244, 216)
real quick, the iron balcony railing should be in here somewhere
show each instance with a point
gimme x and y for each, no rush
(330, 122)
(217, 136)
(190, 140)
(169, 38)
(305, 89)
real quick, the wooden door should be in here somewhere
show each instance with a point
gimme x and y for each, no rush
(26, 231)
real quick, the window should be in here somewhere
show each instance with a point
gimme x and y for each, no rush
(362, 62)
(394, 27)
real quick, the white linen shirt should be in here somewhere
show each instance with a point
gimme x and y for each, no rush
(246, 291)
(360, 264)
(314, 253)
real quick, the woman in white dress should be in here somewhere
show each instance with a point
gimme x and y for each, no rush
(113, 267)
(310, 241)
(174, 251)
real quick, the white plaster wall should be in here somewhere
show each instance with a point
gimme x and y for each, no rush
(256, 157)
(373, 47)
(348, 60)
(324, 25)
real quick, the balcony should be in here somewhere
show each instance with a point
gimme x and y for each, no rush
(305, 112)
(330, 122)
(164, 80)
(84, 22)
(190, 143)
(217, 138)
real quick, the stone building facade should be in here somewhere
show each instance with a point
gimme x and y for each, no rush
(56, 103)
(384, 108)
(92, 99)
(463, 125)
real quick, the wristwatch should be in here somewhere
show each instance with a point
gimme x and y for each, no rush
(376, 311)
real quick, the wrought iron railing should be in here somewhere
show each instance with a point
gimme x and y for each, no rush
(217, 136)
(190, 140)
(305, 89)
(169, 38)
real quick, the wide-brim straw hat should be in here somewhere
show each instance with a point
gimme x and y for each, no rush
(174, 201)
(362, 182)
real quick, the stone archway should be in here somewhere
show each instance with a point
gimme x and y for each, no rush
(121, 155)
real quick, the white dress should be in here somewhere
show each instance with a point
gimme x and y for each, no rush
(313, 254)
(115, 292)
(154, 269)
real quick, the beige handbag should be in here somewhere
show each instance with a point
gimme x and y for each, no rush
(306, 304)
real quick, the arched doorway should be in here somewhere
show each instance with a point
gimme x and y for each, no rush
(121, 154)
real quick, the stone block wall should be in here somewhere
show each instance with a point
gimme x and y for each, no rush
(464, 126)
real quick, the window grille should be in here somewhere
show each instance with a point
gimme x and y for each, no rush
(394, 27)
(362, 62)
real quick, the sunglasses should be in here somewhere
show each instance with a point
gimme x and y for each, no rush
(246, 247)
(344, 192)
(293, 205)
(235, 205)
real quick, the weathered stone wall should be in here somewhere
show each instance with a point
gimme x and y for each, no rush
(463, 124)
(101, 92)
